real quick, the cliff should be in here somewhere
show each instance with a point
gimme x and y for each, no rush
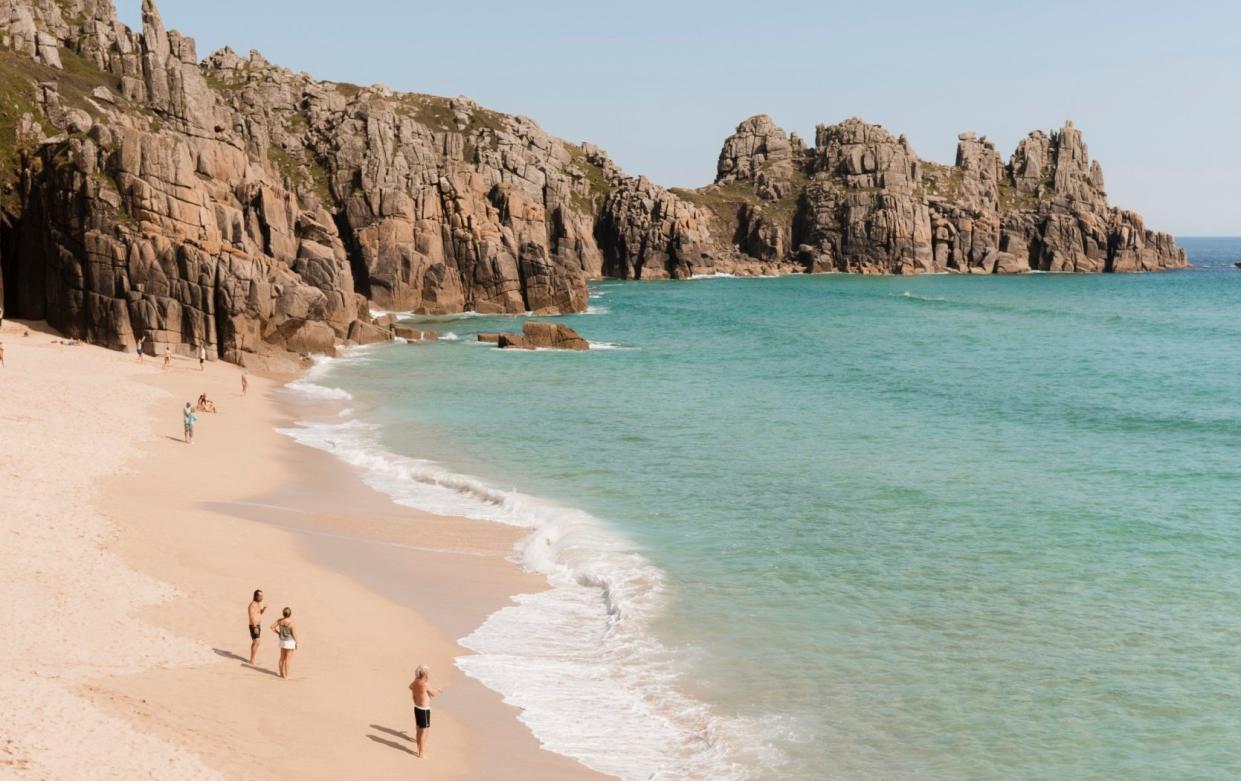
(862, 201)
(233, 203)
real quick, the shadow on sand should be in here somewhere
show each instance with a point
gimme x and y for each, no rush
(392, 744)
(393, 732)
(244, 661)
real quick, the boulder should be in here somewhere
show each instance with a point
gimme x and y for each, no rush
(368, 333)
(553, 336)
(513, 341)
(492, 338)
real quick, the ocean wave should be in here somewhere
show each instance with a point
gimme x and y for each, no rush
(609, 346)
(596, 310)
(381, 312)
(716, 275)
(579, 659)
(449, 336)
(934, 299)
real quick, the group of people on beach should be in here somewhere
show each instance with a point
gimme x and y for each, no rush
(286, 633)
(284, 628)
(201, 353)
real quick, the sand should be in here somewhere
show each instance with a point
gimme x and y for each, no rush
(129, 558)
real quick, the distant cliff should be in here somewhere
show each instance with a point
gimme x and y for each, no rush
(233, 203)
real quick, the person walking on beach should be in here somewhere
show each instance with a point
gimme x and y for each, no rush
(245, 382)
(422, 692)
(202, 357)
(1, 355)
(167, 356)
(141, 344)
(190, 420)
(287, 632)
(255, 615)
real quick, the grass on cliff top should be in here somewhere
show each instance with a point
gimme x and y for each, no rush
(724, 202)
(19, 76)
(598, 186)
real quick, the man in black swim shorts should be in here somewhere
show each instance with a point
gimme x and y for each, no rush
(255, 615)
(421, 689)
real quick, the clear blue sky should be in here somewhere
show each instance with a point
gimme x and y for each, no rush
(1155, 87)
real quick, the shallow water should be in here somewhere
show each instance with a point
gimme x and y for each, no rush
(849, 527)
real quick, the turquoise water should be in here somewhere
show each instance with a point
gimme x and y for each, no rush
(935, 527)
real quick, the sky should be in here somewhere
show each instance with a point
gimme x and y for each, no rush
(1155, 87)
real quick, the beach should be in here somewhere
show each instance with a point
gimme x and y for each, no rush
(130, 557)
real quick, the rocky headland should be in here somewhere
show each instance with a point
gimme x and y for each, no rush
(232, 203)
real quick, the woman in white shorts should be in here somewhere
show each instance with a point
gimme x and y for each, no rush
(287, 634)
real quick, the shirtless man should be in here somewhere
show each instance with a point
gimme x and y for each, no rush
(422, 691)
(255, 614)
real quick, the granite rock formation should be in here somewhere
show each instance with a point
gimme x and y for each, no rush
(860, 200)
(235, 204)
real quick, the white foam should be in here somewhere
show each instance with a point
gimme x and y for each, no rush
(716, 275)
(596, 310)
(381, 312)
(450, 337)
(908, 294)
(578, 659)
(313, 391)
(609, 346)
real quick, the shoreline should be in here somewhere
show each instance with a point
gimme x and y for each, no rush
(376, 588)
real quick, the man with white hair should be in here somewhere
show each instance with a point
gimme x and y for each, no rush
(422, 691)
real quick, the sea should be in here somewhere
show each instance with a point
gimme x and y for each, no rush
(846, 527)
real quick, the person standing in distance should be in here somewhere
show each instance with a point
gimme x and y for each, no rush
(255, 615)
(422, 692)
(287, 632)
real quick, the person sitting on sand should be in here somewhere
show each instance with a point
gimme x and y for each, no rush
(204, 404)
(422, 693)
(190, 420)
(167, 356)
(255, 614)
(287, 633)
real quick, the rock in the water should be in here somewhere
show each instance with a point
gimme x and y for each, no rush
(368, 333)
(551, 336)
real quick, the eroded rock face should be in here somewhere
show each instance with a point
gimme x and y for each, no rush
(239, 205)
(860, 200)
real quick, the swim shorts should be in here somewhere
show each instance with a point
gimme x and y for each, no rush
(422, 717)
(255, 629)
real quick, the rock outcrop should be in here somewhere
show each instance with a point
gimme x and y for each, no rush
(235, 204)
(862, 201)
(537, 335)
